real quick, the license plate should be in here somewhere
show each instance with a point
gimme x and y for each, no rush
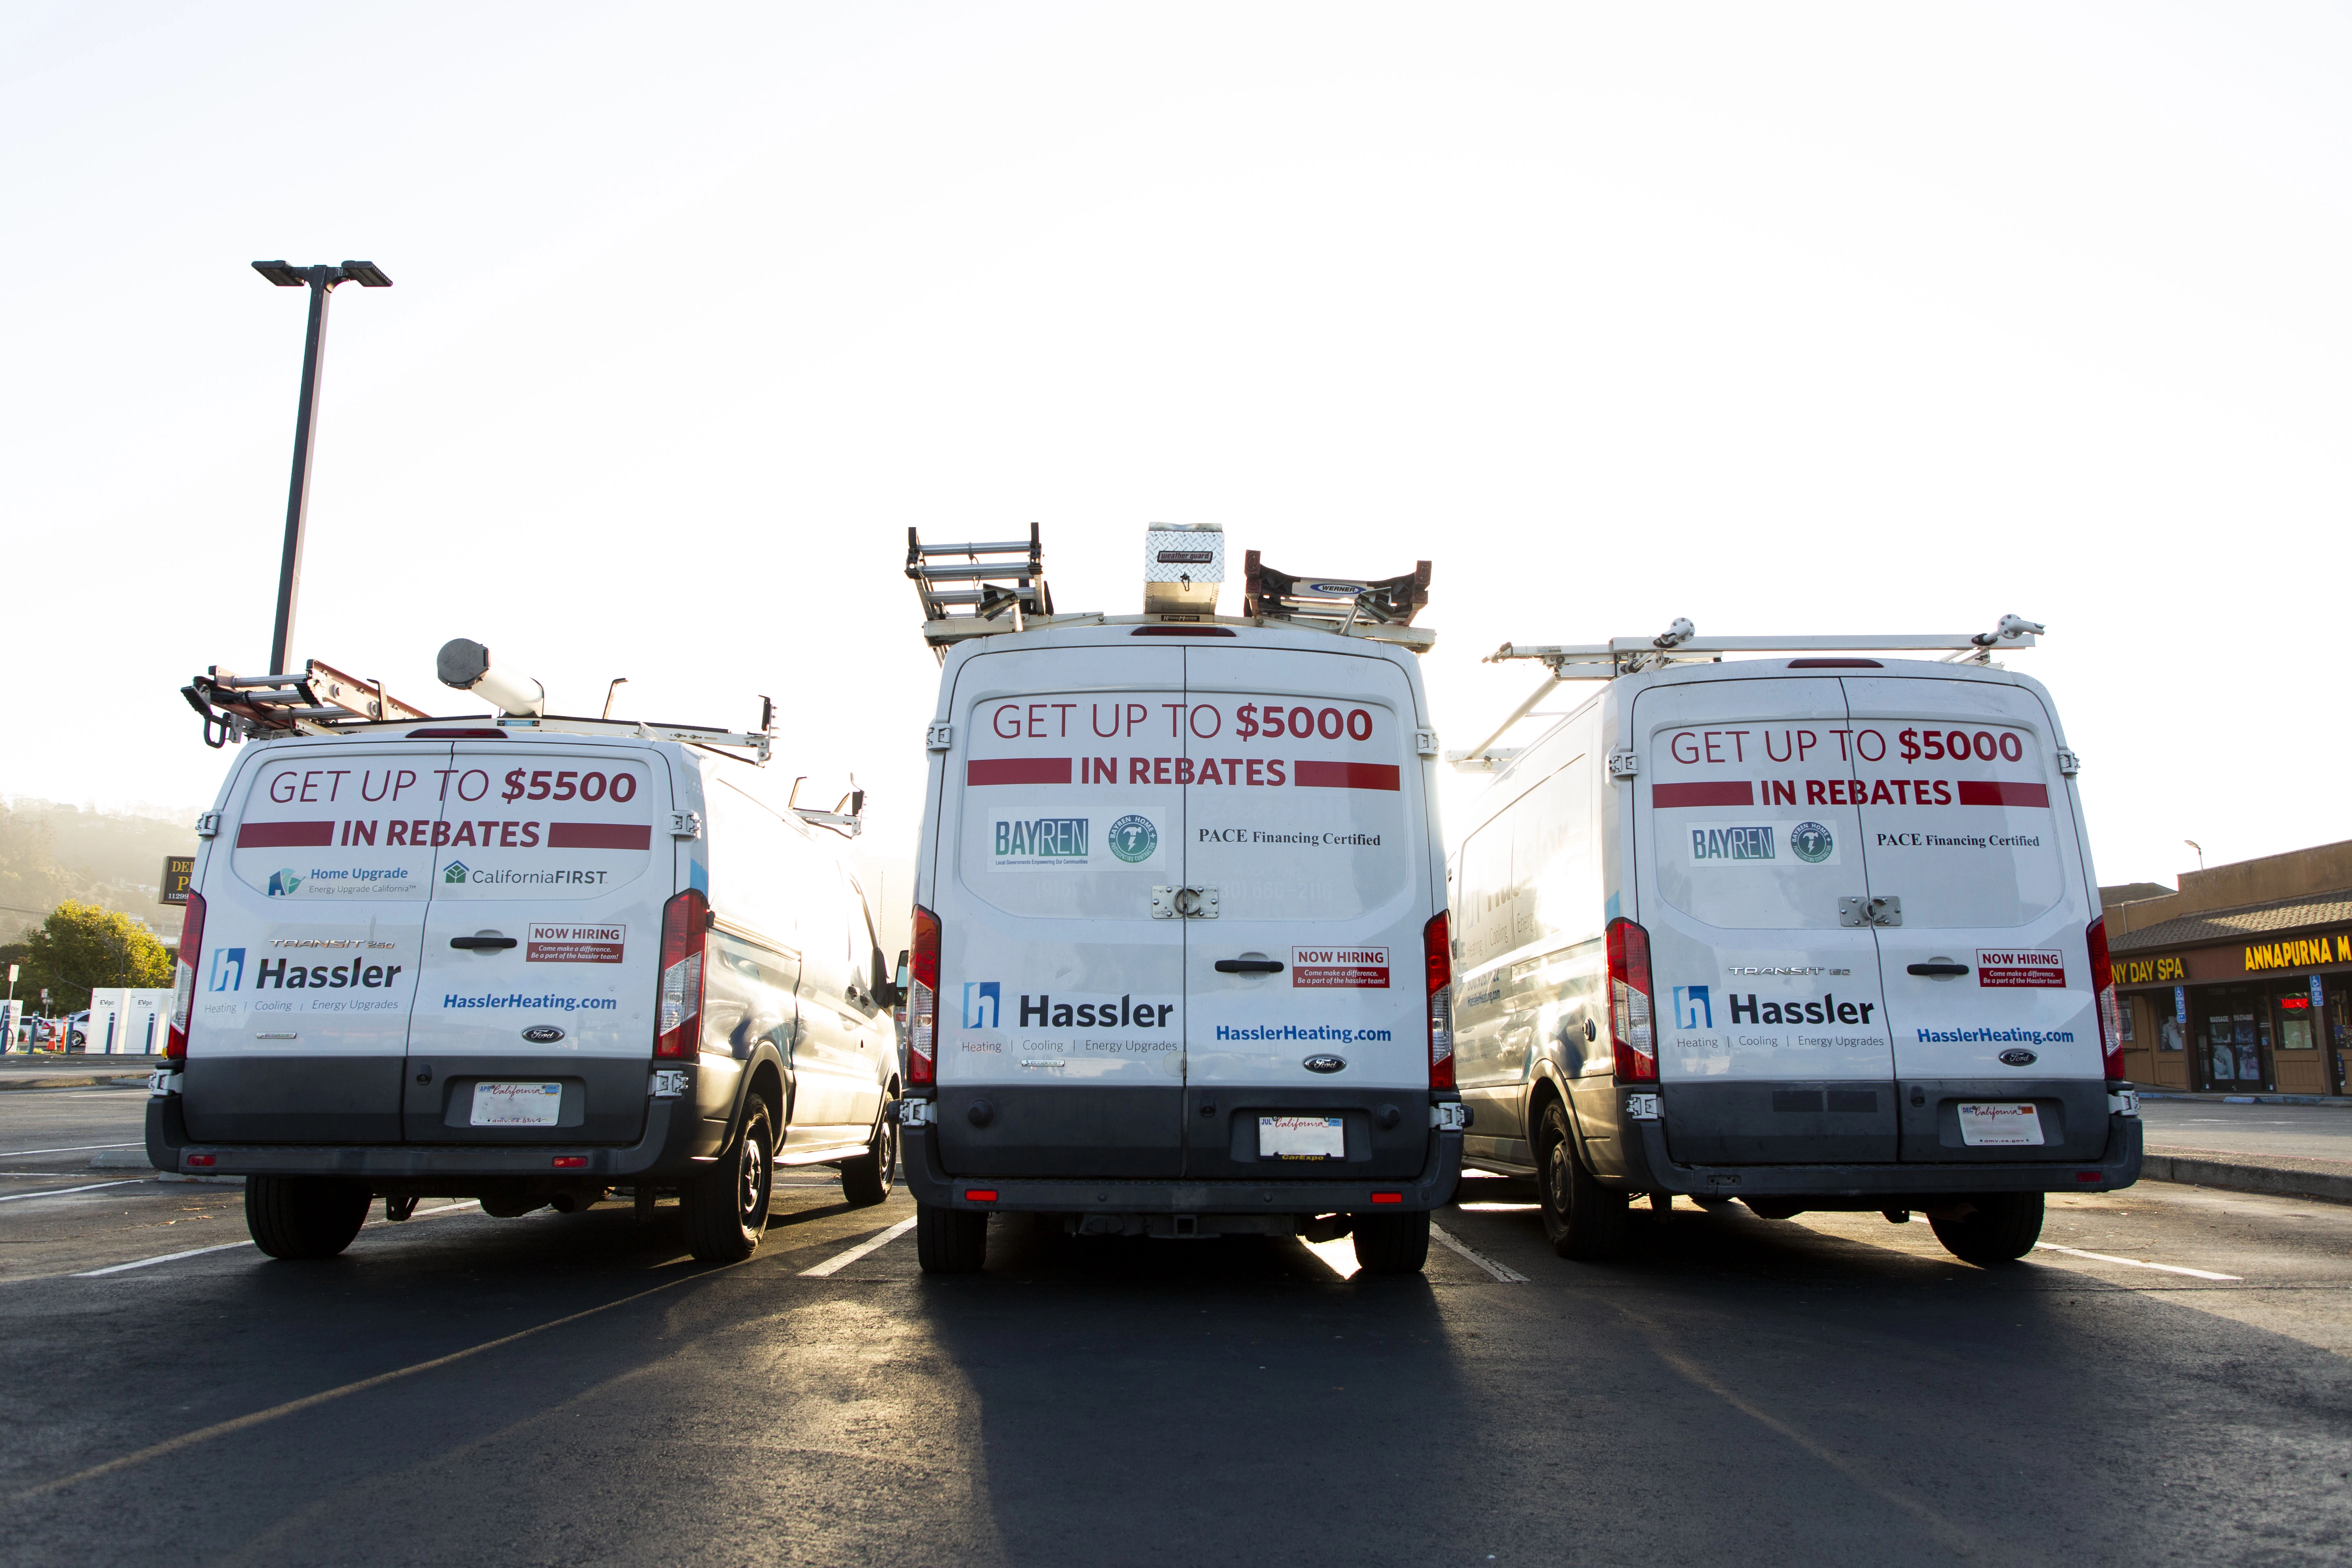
(516, 1104)
(2006, 1124)
(1301, 1138)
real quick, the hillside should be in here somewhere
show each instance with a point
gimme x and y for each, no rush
(51, 852)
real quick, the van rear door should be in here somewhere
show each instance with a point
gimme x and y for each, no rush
(1305, 816)
(1968, 823)
(314, 916)
(541, 945)
(1767, 1006)
(1061, 1003)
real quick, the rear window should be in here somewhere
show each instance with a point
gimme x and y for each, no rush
(544, 822)
(1961, 821)
(353, 824)
(1752, 821)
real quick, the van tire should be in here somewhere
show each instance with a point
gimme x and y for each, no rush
(303, 1218)
(950, 1241)
(725, 1207)
(1392, 1243)
(1585, 1220)
(866, 1179)
(2002, 1229)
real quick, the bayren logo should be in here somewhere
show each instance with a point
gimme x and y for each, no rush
(227, 969)
(454, 872)
(283, 883)
(1811, 842)
(1692, 1008)
(983, 995)
(1133, 838)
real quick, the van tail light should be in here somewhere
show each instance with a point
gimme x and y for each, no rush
(183, 976)
(2103, 986)
(1633, 1031)
(1437, 958)
(677, 1008)
(923, 1000)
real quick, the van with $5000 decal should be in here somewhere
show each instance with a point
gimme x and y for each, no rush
(1811, 933)
(1180, 956)
(522, 959)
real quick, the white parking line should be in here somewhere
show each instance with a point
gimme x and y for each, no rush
(72, 1149)
(61, 1192)
(1508, 1276)
(167, 1257)
(2131, 1262)
(843, 1260)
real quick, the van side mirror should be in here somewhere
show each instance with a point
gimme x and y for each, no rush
(886, 989)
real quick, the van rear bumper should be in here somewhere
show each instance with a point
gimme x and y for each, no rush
(666, 1153)
(1653, 1169)
(930, 1182)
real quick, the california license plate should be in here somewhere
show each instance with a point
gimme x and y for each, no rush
(1301, 1138)
(2007, 1123)
(516, 1104)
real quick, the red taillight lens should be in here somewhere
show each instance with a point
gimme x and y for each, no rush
(570, 1162)
(1437, 959)
(2103, 987)
(677, 1007)
(1632, 1033)
(183, 976)
(923, 999)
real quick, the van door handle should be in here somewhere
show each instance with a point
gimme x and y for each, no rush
(476, 943)
(1942, 970)
(1249, 966)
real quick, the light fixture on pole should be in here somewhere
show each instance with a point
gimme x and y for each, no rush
(322, 281)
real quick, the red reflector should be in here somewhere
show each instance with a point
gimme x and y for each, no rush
(981, 1195)
(200, 1159)
(458, 735)
(2088, 1177)
(1388, 1197)
(570, 1162)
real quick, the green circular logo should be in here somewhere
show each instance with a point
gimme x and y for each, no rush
(1133, 838)
(1811, 842)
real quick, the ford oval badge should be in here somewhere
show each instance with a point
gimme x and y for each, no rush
(548, 1034)
(1326, 1064)
(2019, 1057)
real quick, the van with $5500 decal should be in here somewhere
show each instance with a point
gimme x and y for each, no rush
(1179, 955)
(519, 958)
(1808, 932)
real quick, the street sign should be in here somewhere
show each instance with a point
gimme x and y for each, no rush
(177, 870)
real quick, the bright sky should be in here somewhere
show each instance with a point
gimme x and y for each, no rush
(1787, 319)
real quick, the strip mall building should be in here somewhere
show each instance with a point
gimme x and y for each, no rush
(2242, 981)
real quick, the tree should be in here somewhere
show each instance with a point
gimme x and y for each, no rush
(80, 946)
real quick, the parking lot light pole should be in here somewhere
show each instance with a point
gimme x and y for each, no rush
(322, 281)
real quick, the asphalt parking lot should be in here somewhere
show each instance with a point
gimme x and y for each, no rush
(2166, 1380)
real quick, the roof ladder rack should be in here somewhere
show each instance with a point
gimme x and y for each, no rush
(1391, 601)
(314, 698)
(1017, 562)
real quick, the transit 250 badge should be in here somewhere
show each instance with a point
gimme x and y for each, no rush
(1134, 838)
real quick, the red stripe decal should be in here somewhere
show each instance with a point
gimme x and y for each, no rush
(284, 835)
(599, 836)
(1346, 775)
(1988, 792)
(1017, 771)
(1721, 792)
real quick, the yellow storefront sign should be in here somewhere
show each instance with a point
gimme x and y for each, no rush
(2301, 954)
(2150, 971)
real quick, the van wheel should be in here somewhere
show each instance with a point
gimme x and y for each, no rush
(1392, 1243)
(865, 1180)
(950, 1241)
(1585, 1220)
(725, 1207)
(303, 1216)
(2002, 1229)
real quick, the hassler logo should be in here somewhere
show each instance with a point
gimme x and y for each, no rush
(227, 971)
(983, 1004)
(1133, 838)
(1692, 1008)
(454, 872)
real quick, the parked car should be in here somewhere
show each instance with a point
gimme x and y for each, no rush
(526, 961)
(1805, 933)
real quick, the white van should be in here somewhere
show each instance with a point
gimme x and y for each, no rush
(1809, 932)
(1179, 954)
(526, 959)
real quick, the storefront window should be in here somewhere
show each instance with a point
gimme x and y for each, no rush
(2296, 1031)
(2234, 1036)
